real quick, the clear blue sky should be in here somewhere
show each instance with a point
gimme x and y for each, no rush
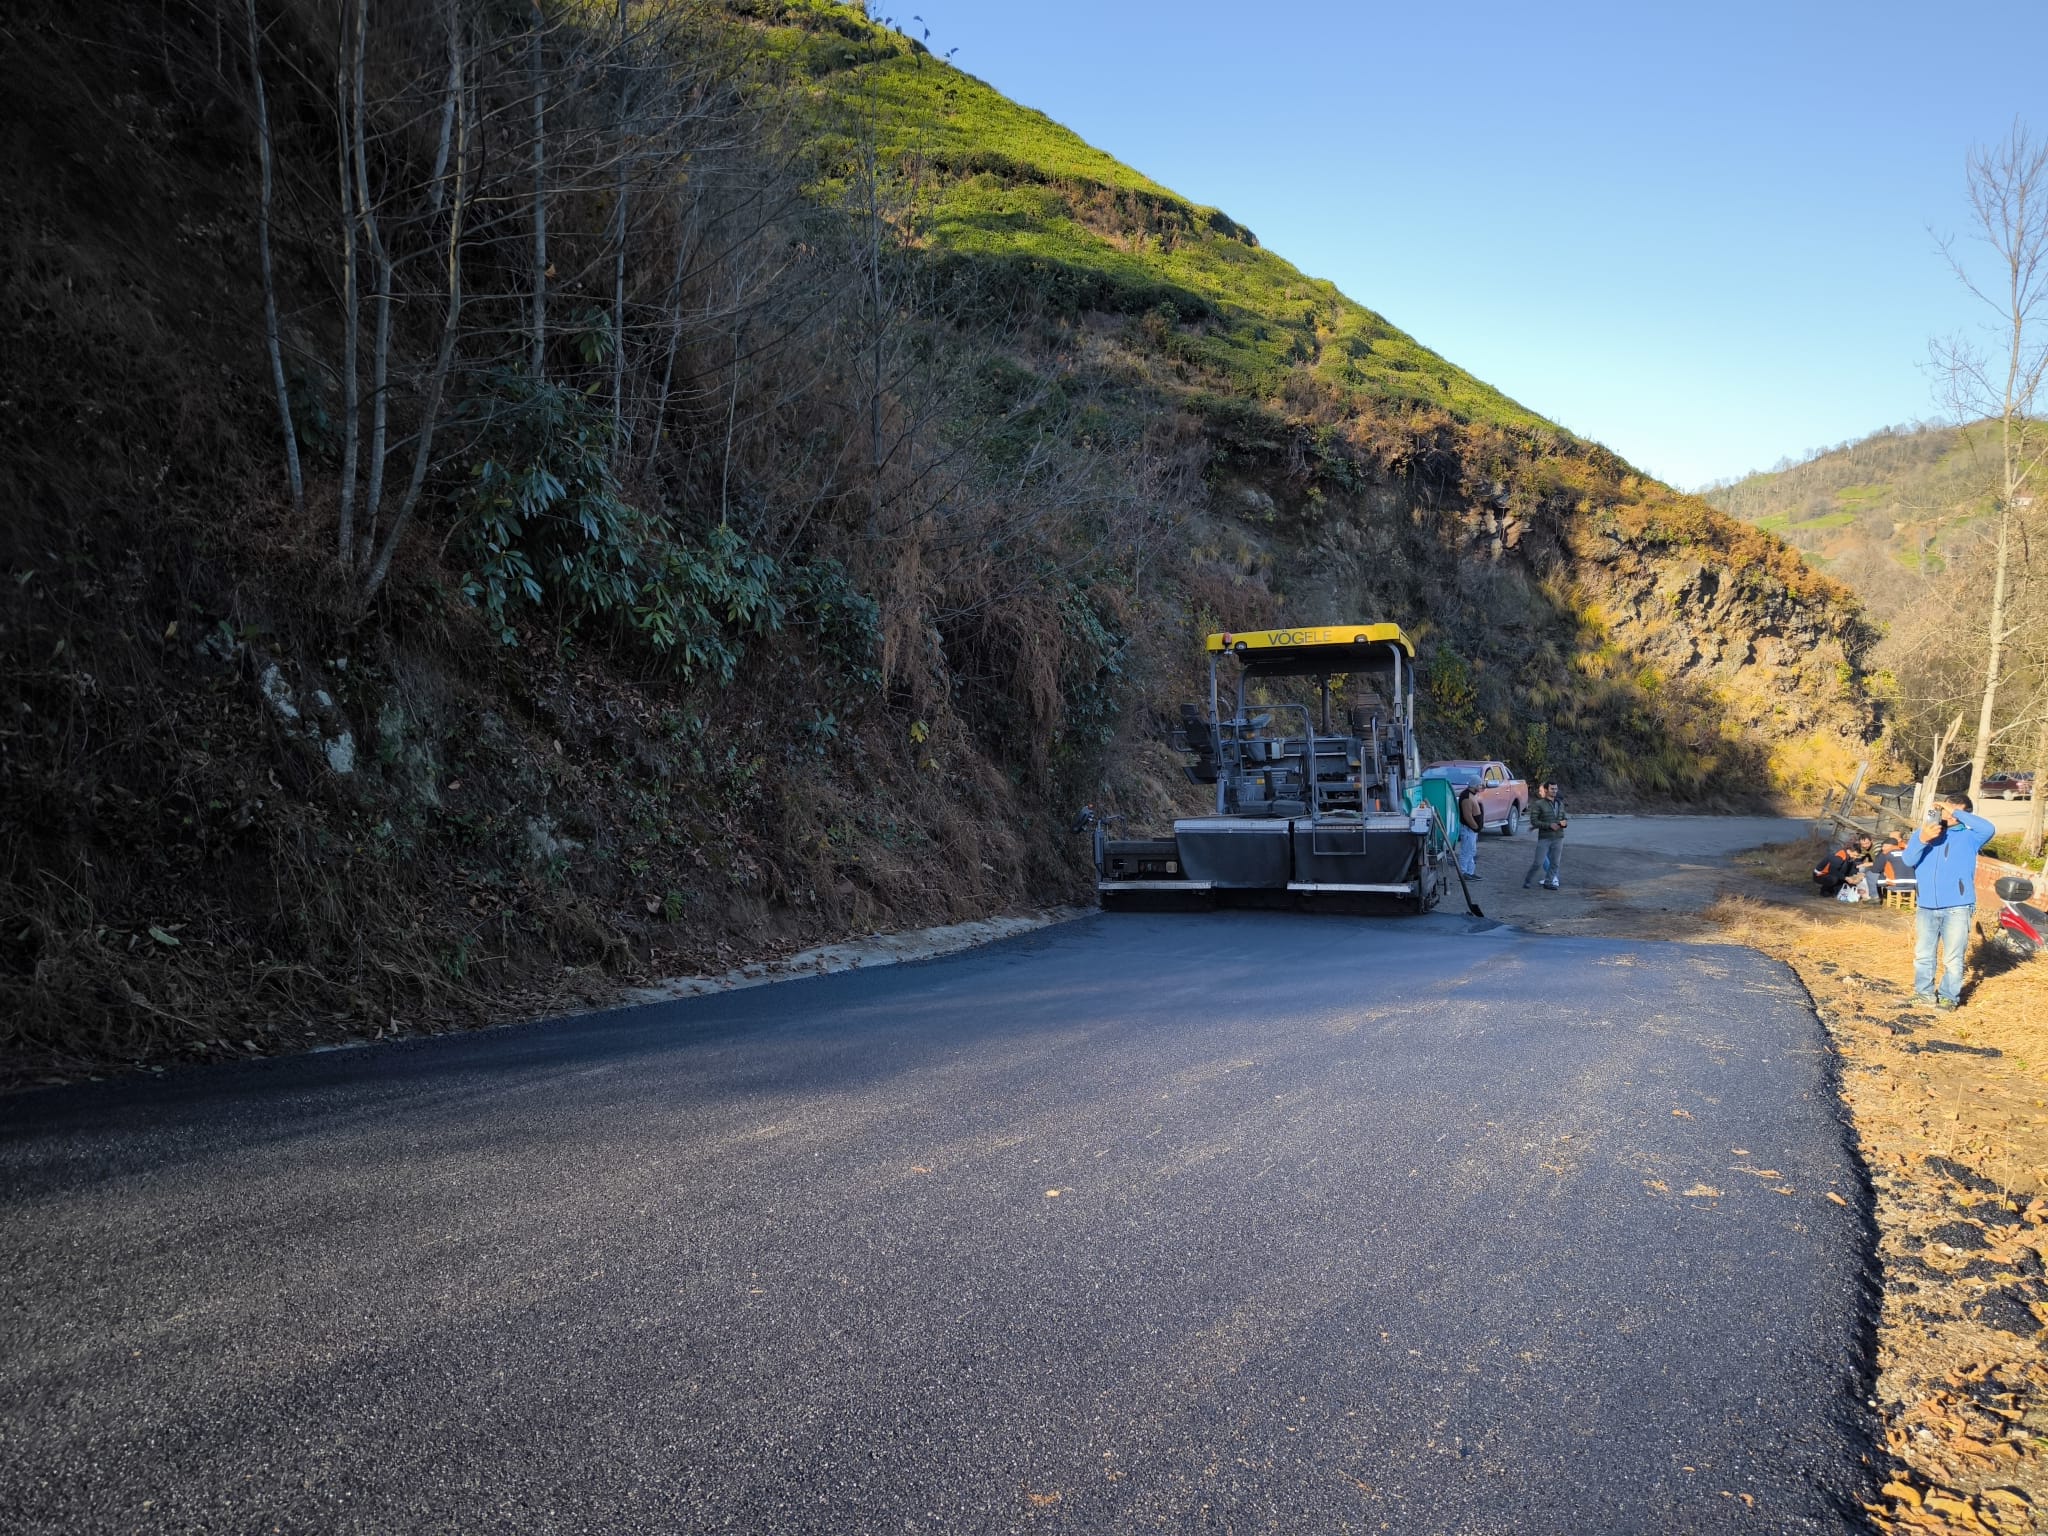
(1698, 234)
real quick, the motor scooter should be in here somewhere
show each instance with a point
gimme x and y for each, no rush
(2022, 931)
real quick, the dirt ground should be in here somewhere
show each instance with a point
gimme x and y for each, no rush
(1950, 1112)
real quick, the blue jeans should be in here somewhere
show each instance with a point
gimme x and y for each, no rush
(1946, 929)
(1549, 855)
(1468, 851)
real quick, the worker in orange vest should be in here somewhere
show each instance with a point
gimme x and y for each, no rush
(1842, 866)
(1891, 864)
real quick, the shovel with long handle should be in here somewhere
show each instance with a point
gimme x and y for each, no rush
(1470, 905)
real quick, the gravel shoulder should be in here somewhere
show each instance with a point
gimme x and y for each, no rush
(1950, 1113)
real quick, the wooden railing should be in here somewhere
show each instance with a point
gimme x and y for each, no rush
(1859, 806)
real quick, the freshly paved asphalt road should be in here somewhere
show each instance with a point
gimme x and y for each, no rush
(1359, 1225)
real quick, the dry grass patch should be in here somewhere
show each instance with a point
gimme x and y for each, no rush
(1951, 1114)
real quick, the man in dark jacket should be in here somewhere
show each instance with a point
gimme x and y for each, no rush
(1944, 860)
(1841, 866)
(1546, 815)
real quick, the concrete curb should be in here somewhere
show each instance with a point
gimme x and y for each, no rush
(856, 955)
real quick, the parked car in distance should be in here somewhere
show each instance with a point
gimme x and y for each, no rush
(1502, 796)
(2010, 786)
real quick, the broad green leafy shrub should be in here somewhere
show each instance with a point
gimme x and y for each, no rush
(840, 619)
(701, 602)
(547, 528)
(541, 513)
(1094, 665)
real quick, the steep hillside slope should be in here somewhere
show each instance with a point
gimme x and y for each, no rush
(1006, 188)
(829, 504)
(1579, 614)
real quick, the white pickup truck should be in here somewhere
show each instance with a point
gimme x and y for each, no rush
(1502, 796)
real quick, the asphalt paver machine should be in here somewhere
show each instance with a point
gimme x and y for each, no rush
(1308, 739)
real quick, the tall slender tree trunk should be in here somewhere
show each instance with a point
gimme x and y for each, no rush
(877, 339)
(1994, 659)
(271, 339)
(380, 258)
(538, 69)
(437, 188)
(619, 191)
(351, 296)
(2038, 802)
(675, 329)
(732, 409)
(451, 322)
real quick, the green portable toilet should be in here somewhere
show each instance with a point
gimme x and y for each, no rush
(1442, 795)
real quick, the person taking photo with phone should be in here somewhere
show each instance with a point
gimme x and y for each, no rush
(1944, 860)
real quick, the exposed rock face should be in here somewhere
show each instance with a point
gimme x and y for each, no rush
(1614, 633)
(1783, 664)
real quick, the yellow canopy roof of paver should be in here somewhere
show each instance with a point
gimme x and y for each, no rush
(1323, 647)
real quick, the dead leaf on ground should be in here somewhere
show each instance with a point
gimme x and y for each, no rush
(1955, 1509)
(1905, 1493)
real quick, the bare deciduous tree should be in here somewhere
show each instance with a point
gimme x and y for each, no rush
(374, 213)
(2008, 197)
(265, 157)
(462, 111)
(538, 86)
(621, 70)
(347, 63)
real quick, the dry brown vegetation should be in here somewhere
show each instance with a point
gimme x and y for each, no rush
(1950, 1113)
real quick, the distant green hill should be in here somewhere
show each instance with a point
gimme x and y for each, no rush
(1006, 187)
(1880, 514)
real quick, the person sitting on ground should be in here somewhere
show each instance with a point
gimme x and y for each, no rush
(1842, 866)
(1890, 868)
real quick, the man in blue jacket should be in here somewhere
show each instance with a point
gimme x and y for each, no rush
(1944, 860)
